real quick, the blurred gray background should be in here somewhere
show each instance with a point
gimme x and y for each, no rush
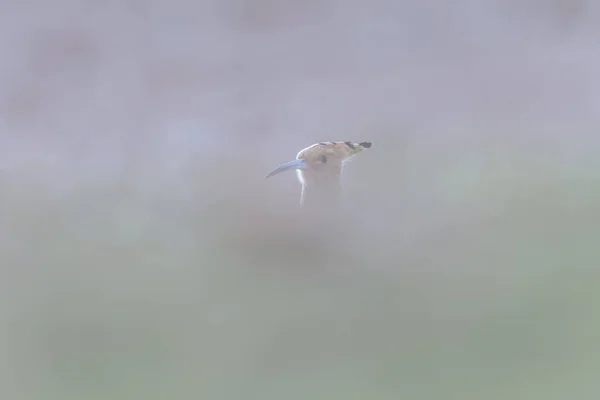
(144, 256)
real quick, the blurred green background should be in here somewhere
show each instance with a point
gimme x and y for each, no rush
(143, 255)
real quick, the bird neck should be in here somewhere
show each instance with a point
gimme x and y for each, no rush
(320, 189)
(321, 196)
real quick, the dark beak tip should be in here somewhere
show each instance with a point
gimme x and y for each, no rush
(366, 145)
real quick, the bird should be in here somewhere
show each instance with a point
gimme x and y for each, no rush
(319, 168)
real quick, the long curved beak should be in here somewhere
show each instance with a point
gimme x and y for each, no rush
(296, 164)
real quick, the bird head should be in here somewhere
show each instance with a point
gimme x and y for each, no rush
(322, 163)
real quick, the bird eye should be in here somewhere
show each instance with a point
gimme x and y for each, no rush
(324, 159)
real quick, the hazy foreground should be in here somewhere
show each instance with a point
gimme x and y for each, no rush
(144, 256)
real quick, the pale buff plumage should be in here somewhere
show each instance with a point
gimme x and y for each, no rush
(319, 168)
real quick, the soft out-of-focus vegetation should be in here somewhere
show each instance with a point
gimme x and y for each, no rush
(144, 256)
